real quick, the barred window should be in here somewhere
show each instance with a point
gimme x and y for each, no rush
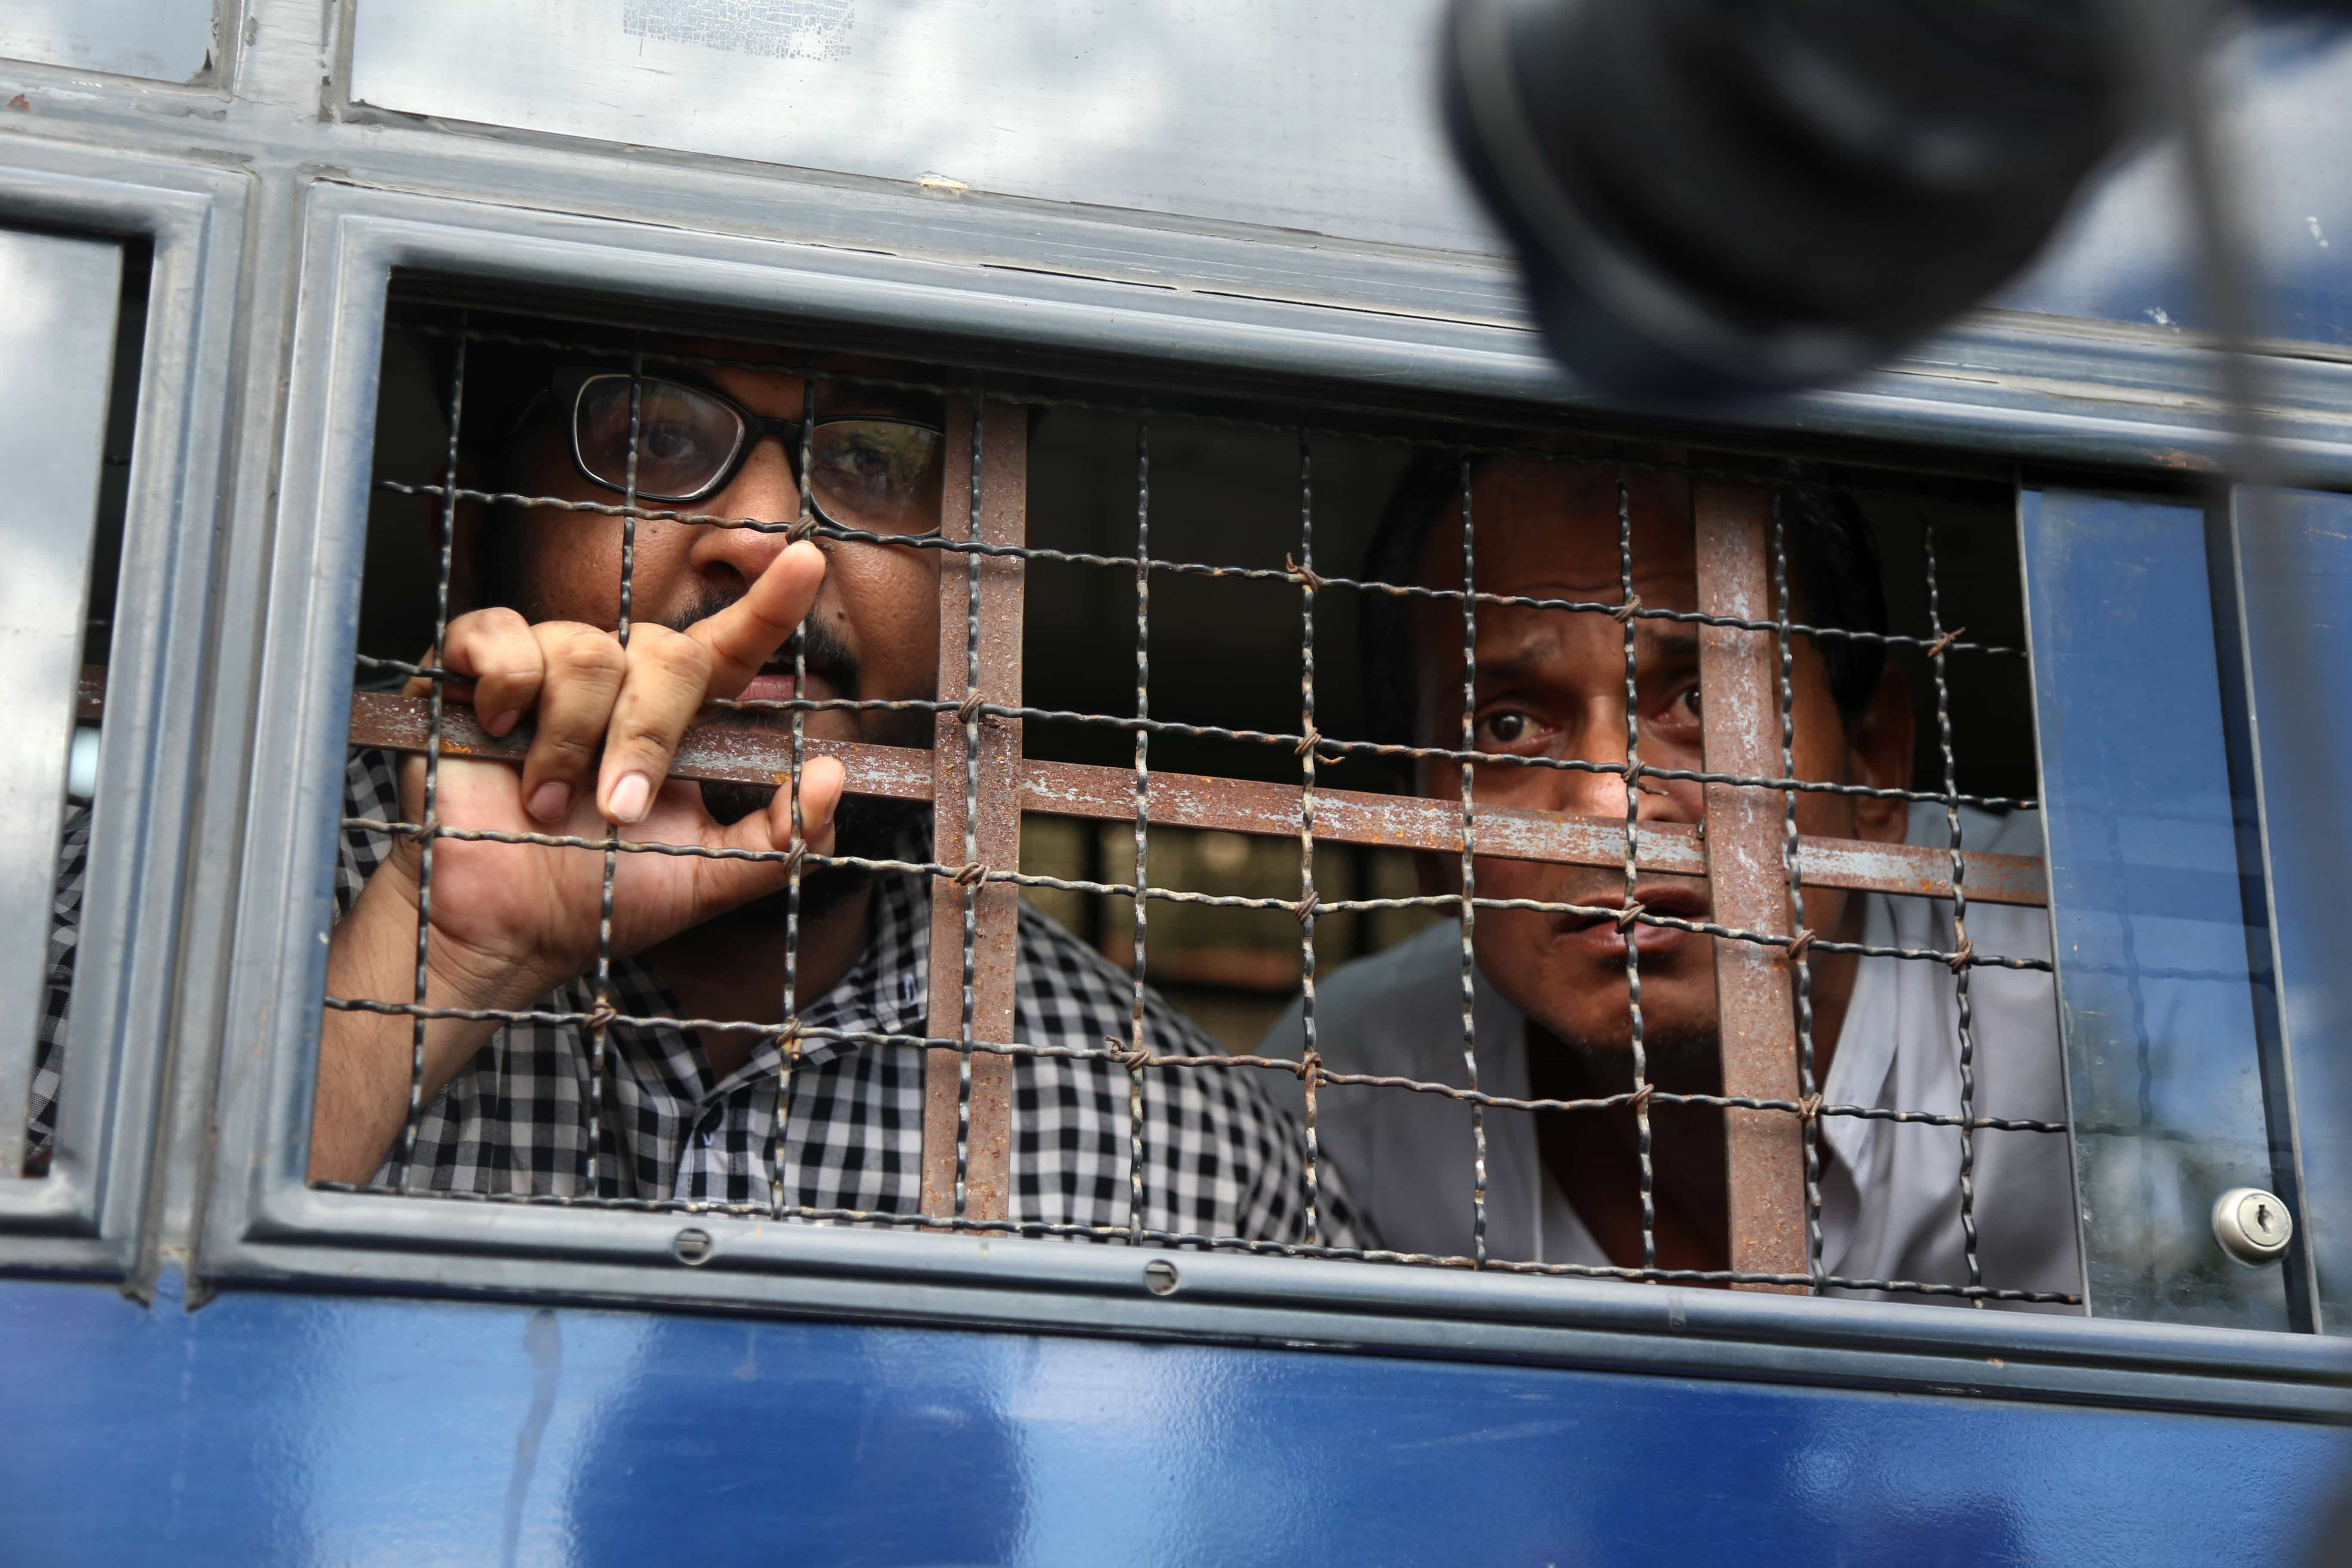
(1162, 909)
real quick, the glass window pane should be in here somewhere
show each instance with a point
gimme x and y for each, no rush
(2158, 989)
(57, 364)
(162, 40)
(2296, 572)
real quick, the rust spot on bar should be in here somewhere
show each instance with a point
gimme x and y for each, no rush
(996, 836)
(1764, 1154)
(733, 754)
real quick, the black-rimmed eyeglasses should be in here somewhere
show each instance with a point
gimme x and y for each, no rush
(878, 472)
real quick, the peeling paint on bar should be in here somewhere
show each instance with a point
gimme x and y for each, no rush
(1240, 805)
(968, 1099)
(1764, 1149)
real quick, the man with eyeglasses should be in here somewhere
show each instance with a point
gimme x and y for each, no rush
(709, 440)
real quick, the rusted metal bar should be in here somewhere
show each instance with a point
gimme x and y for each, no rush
(976, 767)
(1738, 670)
(1241, 805)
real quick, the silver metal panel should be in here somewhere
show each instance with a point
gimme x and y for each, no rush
(162, 40)
(57, 359)
(2019, 384)
(1303, 114)
(1314, 115)
(86, 1218)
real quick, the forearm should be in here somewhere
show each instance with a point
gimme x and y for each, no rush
(366, 1059)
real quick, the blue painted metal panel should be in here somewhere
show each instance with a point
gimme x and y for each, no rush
(2155, 986)
(2125, 254)
(302, 1430)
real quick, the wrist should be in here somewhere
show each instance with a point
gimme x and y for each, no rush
(374, 948)
(462, 975)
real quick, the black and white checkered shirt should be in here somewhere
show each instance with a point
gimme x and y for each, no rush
(65, 932)
(1222, 1158)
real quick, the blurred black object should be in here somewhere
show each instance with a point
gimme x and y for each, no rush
(1714, 198)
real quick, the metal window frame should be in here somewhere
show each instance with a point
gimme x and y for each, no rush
(265, 1225)
(85, 1216)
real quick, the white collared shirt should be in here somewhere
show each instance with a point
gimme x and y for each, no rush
(1890, 1197)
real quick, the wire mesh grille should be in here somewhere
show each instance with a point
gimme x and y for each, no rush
(967, 780)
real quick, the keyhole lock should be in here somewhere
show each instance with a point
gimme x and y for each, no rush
(2251, 1224)
(1160, 1277)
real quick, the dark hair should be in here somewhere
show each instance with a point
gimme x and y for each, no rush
(503, 380)
(1832, 560)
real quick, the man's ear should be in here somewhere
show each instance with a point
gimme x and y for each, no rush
(1879, 748)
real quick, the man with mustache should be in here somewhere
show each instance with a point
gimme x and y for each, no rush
(1551, 995)
(691, 1111)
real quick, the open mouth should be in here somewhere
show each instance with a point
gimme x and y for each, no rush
(1678, 900)
(775, 683)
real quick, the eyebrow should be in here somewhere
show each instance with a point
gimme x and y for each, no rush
(1673, 642)
(1525, 665)
(862, 398)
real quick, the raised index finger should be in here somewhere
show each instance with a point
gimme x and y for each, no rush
(747, 634)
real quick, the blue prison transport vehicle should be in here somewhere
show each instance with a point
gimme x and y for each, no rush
(1112, 1194)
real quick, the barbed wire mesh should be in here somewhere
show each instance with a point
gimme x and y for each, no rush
(1800, 965)
(1469, 870)
(1628, 608)
(1466, 829)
